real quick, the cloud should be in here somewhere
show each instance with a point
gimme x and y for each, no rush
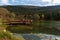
(14, 1)
(47, 1)
(5, 2)
(51, 2)
(30, 2)
(37, 2)
(56, 1)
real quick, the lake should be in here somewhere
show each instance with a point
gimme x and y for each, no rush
(41, 30)
(49, 27)
(39, 36)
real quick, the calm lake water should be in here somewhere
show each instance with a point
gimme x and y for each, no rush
(49, 24)
(37, 27)
(42, 36)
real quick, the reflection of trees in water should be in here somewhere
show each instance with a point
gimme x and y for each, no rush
(45, 26)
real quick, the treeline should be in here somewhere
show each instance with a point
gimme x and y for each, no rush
(50, 13)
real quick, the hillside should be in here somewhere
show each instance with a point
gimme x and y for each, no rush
(49, 11)
(35, 8)
(44, 18)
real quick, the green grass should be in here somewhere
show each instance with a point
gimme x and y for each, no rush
(8, 35)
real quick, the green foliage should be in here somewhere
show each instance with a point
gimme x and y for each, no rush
(8, 35)
(34, 13)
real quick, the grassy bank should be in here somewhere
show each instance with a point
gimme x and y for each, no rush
(7, 36)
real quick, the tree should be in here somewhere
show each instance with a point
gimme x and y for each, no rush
(36, 16)
(13, 15)
(3, 14)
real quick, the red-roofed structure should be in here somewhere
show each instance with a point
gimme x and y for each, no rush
(19, 22)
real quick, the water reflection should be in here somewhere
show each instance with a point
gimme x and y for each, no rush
(51, 27)
(39, 36)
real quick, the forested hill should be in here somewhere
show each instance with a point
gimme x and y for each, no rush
(32, 9)
(50, 12)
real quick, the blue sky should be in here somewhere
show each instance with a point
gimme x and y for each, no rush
(30, 2)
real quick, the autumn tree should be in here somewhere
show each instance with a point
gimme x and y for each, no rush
(36, 16)
(4, 14)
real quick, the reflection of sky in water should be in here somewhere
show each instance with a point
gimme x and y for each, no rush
(52, 37)
(58, 37)
(40, 36)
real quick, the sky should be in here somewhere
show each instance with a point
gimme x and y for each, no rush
(30, 2)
